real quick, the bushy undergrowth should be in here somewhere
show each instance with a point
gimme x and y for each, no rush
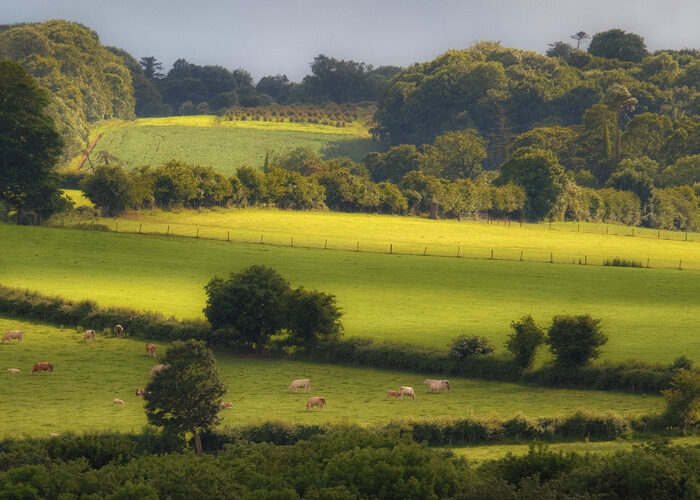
(632, 376)
(342, 462)
(618, 262)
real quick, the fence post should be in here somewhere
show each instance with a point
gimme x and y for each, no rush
(116, 227)
(140, 225)
(197, 235)
(647, 262)
(391, 248)
(458, 249)
(632, 231)
(425, 251)
(686, 236)
(585, 260)
(521, 255)
(680, 265)
(291, 241)
(551, 257)
(325, 245)
(228, 235)
(91, 223)
(167, 233)
(579, 228)
(492, 254)
(658, 235)
(607, 229)
(550, 223)
(358, 247)
(261, 238)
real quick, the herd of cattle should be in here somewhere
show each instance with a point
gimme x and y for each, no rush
(304, 384)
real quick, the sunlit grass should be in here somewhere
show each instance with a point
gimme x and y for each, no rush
(88, 376)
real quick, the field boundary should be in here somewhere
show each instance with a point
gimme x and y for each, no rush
(458, 251)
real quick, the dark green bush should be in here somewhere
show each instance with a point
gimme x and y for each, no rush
(465, 346)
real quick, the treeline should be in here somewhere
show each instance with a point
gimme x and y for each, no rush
(345, 462)
(632, 376)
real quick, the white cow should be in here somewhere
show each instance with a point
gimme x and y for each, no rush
(12, 334)
(437, 385)
(302, 383)
(407, 391)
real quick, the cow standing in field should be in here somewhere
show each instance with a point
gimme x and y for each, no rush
(437, 385)
(157, 368)
(316, 401)
(225, 405)
(12, 334)
(14, 370)
(140, 391)
(89, 335)
(118, 401)
(44, 366)
(119, 330)
(302, 383)
(393, 394)
(407, 391)
(151, 350)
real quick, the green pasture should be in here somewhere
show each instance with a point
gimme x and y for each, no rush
(480, 453)
(649, 314)
(88, 376)
(564, 243)
(225, 145)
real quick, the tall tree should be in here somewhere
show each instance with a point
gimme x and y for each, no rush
(186, 396)
(459, 154)
(30, 146)
(617, 44)
(619, 99)
(151, 67)
(579, 37)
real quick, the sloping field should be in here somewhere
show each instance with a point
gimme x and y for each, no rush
(649, 314)
(564, 242)
(224, 145)
(88, 376)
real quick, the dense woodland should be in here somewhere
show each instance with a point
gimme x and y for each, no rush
(608, 134)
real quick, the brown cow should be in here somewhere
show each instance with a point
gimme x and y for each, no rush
(119, 330)
(44, 366)
(225, 405)
(89, 335)
(393, 394)
(14, 370)
(151, 350)
(316, 401)
(12, 334)
(118, 401)
(140, 391)
(157, 368)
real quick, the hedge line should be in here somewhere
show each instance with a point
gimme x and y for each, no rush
(633, 376)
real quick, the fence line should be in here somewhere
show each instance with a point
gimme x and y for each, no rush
(390, 249)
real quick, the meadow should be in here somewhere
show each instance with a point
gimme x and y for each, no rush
(222, 145)
(88, 376)
(648, 314)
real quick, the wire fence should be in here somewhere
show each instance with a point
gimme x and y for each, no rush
(472, 251)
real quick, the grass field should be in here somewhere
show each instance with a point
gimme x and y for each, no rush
(223, 145)
(414, 235)
(649, 314)
(88, 376)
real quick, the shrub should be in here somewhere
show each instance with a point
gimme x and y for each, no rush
(575, 340)
(525, 341)
(618, 262)
(464, 346)
(683, 399)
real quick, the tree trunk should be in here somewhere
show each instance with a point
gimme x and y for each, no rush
(198, 443)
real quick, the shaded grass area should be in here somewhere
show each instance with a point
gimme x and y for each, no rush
(480, 453)
(415, 235)
(422, 300)
(227, 145)
(88, 376)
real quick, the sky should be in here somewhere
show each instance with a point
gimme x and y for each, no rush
(283, 36)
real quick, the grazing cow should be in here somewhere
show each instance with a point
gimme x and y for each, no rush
(118, 401)
(437, 385)
(393, 394)
(44, 366)
(316, 401)
(157, 368)
(140, 391)
(151, 350)
(14, 370)
(407, 391)
(89, 335)
(225, 405)
(119, 330)
(303, 383)
(12, 334)
(53, 434)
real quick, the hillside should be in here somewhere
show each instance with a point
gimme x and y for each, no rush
(426, 300)
(224, 145)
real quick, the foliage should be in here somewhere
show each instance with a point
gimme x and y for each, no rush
(310, 316)
(87, 82)
(618, 262)
(575, 340)
(110, 188)
(186, 396)
(29, 146)
(525, 340)
(465, 346)
(617, 44)
(683, 399)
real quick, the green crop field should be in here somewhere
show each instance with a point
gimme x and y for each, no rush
(224, 145)
(563, 243)
(88, 376)
(649, 314)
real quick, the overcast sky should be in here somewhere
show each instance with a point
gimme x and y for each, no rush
(283, 36)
